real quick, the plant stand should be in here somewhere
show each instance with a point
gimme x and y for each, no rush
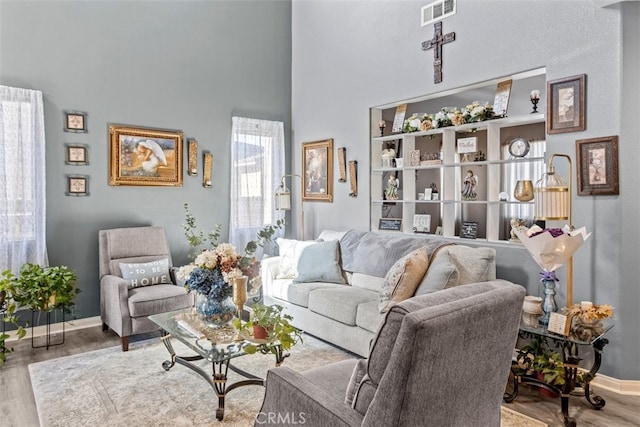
(48, 342)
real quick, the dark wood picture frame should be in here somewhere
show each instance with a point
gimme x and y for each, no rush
(597, 167)
(566, 99)
(75, 121)
(469, 230)
(145, 156)
(76, 154)
(317, 179)
(77, 185)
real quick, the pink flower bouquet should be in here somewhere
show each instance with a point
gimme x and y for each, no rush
(551, 247)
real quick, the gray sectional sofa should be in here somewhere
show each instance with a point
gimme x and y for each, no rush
(335, 287)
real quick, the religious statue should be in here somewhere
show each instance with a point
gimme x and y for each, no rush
(391, 193)
(469, 186)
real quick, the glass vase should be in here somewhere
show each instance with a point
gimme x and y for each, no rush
(216, 313)
(587, 329)
(549, 304)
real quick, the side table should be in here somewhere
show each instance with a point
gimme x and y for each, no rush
(568, 346)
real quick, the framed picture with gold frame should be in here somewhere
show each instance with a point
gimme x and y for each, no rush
(145, 156)
(317, 179)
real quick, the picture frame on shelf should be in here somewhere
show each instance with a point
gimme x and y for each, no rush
(597, 167)
(77, 185)
(390, 224)
(469, 230)
(398, 119)
(145, 156)
(77, 154)
(422, 223)
(75, 121)
(317, 179)
(501, 100)
(566, 104)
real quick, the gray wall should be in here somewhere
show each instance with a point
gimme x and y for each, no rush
(179, 65)
(349, 56)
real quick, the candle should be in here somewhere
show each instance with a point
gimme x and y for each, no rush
(208, 183)
(586, 305)
(382, 124)
(535, 94)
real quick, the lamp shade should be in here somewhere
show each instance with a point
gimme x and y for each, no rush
(283, 198)
(552, 197)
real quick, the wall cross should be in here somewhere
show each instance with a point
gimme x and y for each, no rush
(436, 43)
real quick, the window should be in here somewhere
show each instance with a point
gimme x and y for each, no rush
(22, 178)
(257, 164)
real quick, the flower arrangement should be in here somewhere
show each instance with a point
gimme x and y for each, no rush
(417, 122)
(213, 270)
(476, 112)
(590, 312)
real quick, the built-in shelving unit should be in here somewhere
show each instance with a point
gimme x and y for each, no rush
(495, 170)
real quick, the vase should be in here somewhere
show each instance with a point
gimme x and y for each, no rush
(216, 313)
(531, 310)
(549, 304)
(587, 329)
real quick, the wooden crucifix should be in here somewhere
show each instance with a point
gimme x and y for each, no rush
(436, 43)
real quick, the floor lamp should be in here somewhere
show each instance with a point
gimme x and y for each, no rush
(283, 200)
(553, 203)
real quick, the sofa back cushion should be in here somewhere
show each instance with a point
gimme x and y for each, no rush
(320, 262)
(366, 281)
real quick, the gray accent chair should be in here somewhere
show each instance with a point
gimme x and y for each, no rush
(440, 359)
(125, 309)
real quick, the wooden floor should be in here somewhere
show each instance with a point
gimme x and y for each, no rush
(17, 405)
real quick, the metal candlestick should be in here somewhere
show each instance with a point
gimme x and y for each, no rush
(535, 101)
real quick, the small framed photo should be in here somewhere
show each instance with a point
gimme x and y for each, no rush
(501, 100)
(467, 145)
(77, 154)
(390, 224)
(421, 223)
(77, 185)
(75, 121)
(566, 104)
(317, 179)
(597, 167)
(469, 230)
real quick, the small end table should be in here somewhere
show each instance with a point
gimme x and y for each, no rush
(568, 346)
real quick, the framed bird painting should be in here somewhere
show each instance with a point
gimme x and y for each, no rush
(145, 156)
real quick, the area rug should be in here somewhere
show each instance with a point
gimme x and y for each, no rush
(111, 388)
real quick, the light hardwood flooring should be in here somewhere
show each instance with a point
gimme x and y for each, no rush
(18, 409)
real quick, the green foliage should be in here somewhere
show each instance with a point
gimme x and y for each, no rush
(537, 356)
(7, 309)
(275, 322)
(42, 288)
(197, 238)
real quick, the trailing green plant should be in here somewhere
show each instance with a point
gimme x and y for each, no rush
(277, 324)
(42, 288)
(537, 356)
(7, 310)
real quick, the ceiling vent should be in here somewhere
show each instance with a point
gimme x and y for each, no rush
(437, 10)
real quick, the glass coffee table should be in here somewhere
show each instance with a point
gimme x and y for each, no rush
(219, 346)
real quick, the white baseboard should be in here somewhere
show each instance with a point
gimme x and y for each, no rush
(70, 325)
(624, 387)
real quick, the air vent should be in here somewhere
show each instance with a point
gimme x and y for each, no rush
(437, 10)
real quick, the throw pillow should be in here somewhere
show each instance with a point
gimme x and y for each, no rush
(403, 278)
(326, 235)
(290, 251)
(320, 263)
(147, 273)
(441, 274)
(473, 264)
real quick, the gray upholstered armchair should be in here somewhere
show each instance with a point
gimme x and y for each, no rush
(439, 359)
(143, 255)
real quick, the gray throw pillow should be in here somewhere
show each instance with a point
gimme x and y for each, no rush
(146, 273)
(320, 262)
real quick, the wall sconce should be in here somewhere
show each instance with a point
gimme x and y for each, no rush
(283, 200)
(553, 203)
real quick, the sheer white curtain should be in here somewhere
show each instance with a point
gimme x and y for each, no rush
(22, 179)
(257, 164)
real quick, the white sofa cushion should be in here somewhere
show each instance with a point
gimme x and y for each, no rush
(340, 303)
(290, 251)
(365, 281)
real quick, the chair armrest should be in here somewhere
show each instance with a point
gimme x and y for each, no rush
(114, 296)
(269, 268)
(289, 394)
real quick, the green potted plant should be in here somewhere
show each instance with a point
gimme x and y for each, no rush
(270, 324)
(42, 288)
(7, 313)
(537, 360)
